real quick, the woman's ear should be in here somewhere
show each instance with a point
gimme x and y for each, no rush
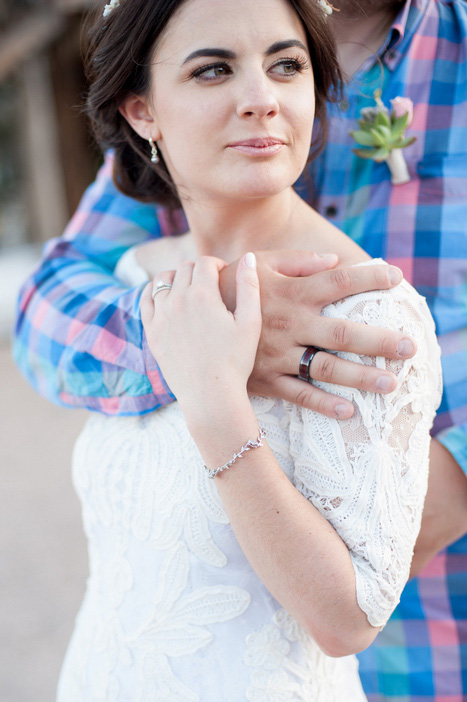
(138, 115)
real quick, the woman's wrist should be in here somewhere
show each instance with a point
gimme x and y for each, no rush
(215, 405)
(220, 430)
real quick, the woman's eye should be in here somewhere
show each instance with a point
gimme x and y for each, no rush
(289, 67)
(212, 72)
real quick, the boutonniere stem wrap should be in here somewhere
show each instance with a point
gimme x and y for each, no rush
(382, 133)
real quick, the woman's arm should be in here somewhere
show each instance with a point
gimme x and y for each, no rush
(293, 549)
(207, 355)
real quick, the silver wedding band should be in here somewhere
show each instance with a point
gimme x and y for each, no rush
(305, 363)
(159, 286)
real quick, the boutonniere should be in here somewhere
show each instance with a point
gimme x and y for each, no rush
(383, 133)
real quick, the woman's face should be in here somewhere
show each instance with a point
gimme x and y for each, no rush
(232, 97)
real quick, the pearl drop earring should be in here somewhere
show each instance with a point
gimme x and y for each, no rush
(154, 153)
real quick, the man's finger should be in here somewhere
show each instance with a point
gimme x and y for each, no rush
(361, 339)
(330, 286)
(295, 263)
(306, 395)
(329, 368)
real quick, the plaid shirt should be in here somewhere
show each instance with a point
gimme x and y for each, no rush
(80, 342)
(421, 654)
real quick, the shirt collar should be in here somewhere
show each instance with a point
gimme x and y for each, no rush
(400, 34)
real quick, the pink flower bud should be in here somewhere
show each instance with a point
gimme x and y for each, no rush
(402, 106)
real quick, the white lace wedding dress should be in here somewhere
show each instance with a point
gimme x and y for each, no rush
(173, 612)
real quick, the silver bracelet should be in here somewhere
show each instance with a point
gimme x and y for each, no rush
(212, 472)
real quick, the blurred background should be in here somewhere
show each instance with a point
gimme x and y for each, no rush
(47, 158)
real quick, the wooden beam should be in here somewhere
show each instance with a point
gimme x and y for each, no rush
(75, 5)
(47, 197)
(79, 155)
(28, 37)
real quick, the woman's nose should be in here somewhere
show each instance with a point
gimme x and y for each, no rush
(258, 100)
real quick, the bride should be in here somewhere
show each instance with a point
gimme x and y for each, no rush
(241, 548)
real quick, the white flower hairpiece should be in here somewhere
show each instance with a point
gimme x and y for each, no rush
(326, 7)
(113, 4)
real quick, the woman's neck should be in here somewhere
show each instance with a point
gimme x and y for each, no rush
(228, 229)
(282, 222)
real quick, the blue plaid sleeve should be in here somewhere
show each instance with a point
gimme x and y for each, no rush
(79, 338)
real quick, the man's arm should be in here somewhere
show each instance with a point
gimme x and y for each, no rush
(80, 342)
(445, 512)
(79, 338)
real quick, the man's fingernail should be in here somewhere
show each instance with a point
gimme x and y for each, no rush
(384, 383)
(250, 260)
(343, 411)
(405, 348)
(395, 275)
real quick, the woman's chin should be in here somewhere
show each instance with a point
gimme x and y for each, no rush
(252, 180)
(259, 187)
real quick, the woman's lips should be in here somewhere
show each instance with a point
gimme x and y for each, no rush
(258, 147)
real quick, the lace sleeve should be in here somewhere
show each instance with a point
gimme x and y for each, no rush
(368, 475)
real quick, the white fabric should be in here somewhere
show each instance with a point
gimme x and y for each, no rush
(173, 611)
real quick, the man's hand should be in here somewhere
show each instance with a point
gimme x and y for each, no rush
(295, 286)
(445, 511)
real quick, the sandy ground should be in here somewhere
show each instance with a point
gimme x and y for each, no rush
(43, 563)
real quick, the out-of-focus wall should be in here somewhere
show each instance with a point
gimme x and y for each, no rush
(46, 160)
(47, 155)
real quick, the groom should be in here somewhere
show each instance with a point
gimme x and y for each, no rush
(421, 655)
(79, 338)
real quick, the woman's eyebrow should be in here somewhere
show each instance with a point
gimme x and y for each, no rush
(227, 54)
(218, 53)
(281, 45)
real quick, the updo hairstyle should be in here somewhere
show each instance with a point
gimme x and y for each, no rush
(117, 52)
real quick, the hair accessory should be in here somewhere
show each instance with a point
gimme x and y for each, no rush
(212, 472)
(154, 152)
(159, 286)
(113, 4)
(326, 7)
(305, 363)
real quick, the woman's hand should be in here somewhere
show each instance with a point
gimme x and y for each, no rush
(205, 352)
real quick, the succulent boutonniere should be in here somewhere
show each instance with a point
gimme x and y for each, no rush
(383, 133)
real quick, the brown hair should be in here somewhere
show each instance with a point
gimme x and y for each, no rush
(117, 55)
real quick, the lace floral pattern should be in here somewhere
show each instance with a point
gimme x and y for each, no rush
(368, 475)
(173, 612)
(278, 676)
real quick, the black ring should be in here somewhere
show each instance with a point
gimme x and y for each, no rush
(305, 362)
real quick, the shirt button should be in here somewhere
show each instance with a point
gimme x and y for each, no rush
(344, 105)
(330, 211)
